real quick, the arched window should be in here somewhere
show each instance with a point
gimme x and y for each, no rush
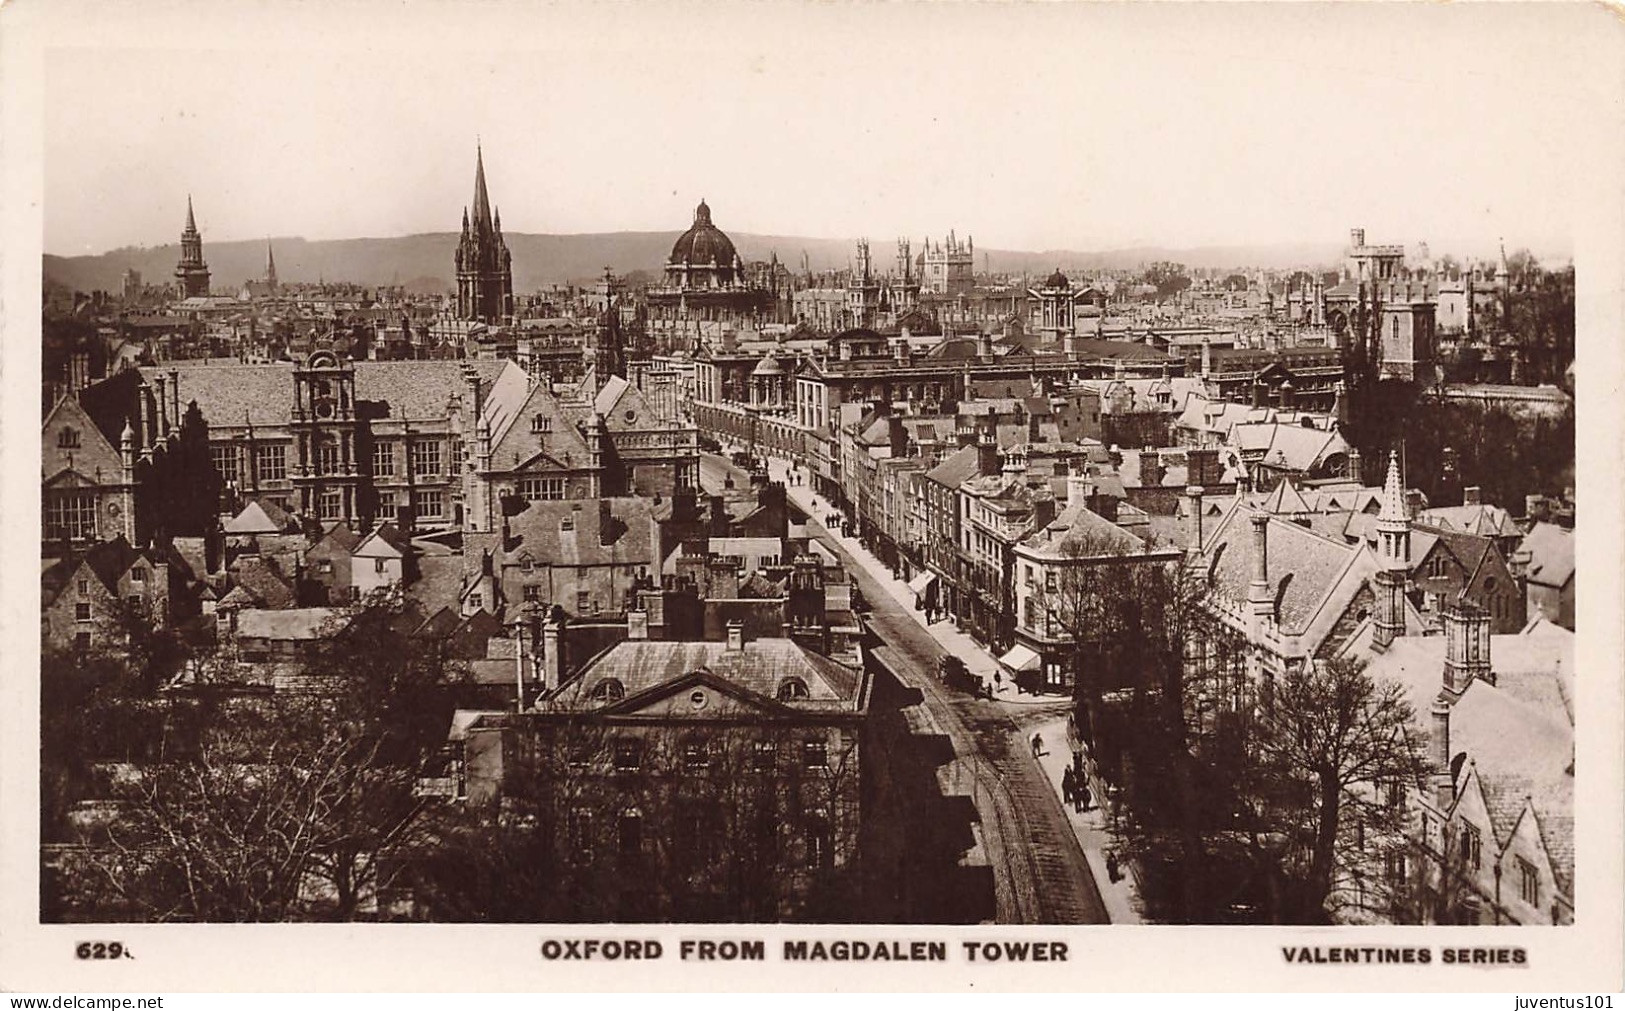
(608, 690)
(791, 689)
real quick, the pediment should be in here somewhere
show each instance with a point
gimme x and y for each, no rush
(67, 477)
(698, 694)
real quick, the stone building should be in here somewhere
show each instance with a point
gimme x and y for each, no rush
(706, 289)
(690, 781)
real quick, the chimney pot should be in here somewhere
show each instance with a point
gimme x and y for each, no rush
(736, 636)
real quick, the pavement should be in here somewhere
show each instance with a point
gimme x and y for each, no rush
(1092, 827)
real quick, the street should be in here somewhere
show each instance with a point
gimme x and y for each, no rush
(1040, 873)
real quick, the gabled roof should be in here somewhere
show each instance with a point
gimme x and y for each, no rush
(1517, 733)
(339, 539)
(1076, 528)
(646, 669)
(1285, 499)
(1489, 520)
(626, 539)
(1551, 554)
(106, 561)
(516, 440)
(260, 577)
(1303, 568)
(385, 542)
(253, 519)
(956, 468)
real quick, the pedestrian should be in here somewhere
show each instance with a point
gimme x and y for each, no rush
(998, 685)
(1082, 795)
(1069, 786)
(1112, 872)
(1038, 742)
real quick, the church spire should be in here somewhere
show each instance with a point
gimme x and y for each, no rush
(482, 201)
(270, 265)
(191, 222)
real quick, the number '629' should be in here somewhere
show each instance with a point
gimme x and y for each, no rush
(99, 949)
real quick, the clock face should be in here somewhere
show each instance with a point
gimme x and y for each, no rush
(324, 407)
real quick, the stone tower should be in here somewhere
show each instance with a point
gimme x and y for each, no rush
(484, 268)
(191, 273)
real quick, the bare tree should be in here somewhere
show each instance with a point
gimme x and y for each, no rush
(1331, 744)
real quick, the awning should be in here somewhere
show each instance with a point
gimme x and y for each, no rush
(1020, 658)
(921, 584)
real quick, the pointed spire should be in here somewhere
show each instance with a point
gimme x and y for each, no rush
(482, 200)
(191, 223)
(1393, 493)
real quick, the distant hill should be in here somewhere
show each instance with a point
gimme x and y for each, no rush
(425, 261)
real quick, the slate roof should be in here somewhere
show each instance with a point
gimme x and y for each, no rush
(253, 519)
(260, 577)
(386, 541)
(1518, 732)
(1551, 551)
(264, 392)
(1311, 565)
(292, 623)
(438, 582)
(1288, 447)
(760, 668)
(1489, 520)
(1078, 525)
(515, 441)
(630, 536)
(106, 561)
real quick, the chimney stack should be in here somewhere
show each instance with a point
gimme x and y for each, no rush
(1193, 518)
(1467, 646)
(1150, 469)
(553, 650)
(736, 635)
(1355, 472)
(1443, 782)
(1471, 495)
(637, 624)
(1259, 587)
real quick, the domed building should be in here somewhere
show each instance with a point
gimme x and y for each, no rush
(704, 256)
(707, 290)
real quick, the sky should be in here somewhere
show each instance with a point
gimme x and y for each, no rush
(1037, 126)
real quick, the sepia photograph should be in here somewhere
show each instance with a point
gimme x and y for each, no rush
(895, 475)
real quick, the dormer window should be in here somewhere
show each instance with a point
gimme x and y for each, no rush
(792, 689)
(608, 690)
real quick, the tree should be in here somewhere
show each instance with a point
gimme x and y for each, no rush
(1132, 620)
(241, 805)
(1168, 278)
(1329, 747)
